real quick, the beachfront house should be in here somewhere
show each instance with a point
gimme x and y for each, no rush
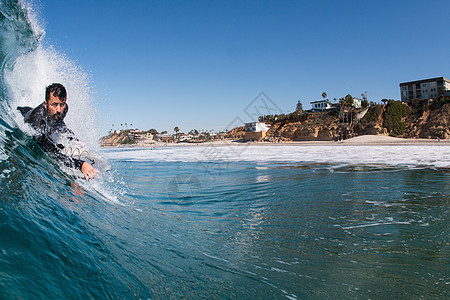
(424, 89)
(321, 105)
(357, 103)
(255, 131)
(326, 105)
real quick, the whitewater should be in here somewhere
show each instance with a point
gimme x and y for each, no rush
(224, 221)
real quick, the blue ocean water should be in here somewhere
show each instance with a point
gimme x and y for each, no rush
(270, 229)
(296, 222)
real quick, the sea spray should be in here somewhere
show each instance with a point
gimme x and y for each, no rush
(34, 71)
(27, 67)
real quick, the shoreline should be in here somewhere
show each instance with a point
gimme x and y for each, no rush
(364, 140)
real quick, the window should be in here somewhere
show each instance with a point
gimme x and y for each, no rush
(403, 88)
(425, 91)
(433, 83)
(425, 96)
(404, 93)
(424, 85)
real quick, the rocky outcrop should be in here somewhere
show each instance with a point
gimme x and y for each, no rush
(416, 119)
(420, 119)
(115, 140)
(127, 138)
(429, 123)
(305, 127)
(235, 134)
(303, 131)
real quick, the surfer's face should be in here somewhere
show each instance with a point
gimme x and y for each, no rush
(55, 107)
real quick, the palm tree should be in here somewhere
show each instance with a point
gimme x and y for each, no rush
(324, 95)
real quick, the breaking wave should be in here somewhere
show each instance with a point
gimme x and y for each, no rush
(48, 246)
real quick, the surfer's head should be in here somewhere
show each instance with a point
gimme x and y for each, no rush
(55, 100)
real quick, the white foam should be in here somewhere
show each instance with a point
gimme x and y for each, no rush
(30, 75)
(420, 155)
(376, 224)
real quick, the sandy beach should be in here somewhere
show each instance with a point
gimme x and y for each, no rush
(365, 140)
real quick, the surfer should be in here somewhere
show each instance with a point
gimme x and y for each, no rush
(48, 120)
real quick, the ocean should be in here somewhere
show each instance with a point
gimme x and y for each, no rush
(231, 221)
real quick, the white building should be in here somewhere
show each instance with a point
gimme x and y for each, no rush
(321, 105)
(255, 131)
(324, 105)
(357, 103)
(256, 127)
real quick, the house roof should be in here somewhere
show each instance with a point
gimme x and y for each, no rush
(424, 80)
(321, 101)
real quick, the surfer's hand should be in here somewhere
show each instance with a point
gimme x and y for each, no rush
(88, 171)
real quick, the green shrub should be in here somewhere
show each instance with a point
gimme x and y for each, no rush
(128, 141)
(373, 114)
(417, 103)
(333, 113)
(444, 100)
(365, 103)
(395, 111)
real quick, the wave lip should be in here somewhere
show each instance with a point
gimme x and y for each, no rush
(17, 34)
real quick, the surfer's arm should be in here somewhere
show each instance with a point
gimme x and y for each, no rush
(88, 170)
(48, 146)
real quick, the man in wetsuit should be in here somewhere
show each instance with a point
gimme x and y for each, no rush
(48, 120)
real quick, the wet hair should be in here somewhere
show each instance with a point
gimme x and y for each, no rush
(57, 90)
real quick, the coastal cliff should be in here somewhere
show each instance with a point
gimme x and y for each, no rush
(426, 122)
(322, 126)
(426, 119)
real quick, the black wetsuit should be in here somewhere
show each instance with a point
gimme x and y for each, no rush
(48, 128)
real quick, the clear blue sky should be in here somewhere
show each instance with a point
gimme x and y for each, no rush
(199, 64)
